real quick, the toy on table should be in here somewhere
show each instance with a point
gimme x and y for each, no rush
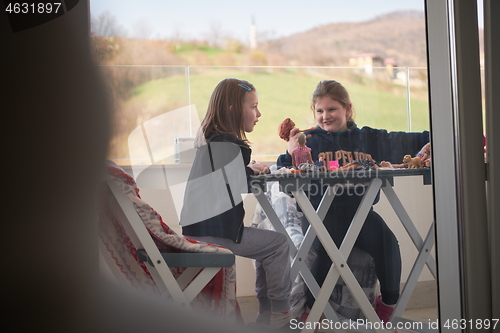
(333, 165)
(286, 126)
(412, 162)
(301, 154)
(320, 163)
(425, 155)
(326, 162)
(306, 167)
(361, 164)
(421, 160)
(425, 152)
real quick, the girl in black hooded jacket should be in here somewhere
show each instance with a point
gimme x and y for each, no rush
(213, 206)
(337, 133)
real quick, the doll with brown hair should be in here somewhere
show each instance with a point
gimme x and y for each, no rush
(301, 154)
(286, 127)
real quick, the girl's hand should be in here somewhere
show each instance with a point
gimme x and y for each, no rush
(293, 143)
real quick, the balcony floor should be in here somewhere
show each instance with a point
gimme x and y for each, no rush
(248, 306)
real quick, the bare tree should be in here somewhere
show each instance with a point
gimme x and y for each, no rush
(215, 35)
(178, 33)
(142, 29)
(106, 25)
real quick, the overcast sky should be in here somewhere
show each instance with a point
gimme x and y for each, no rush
(193, 19)
(276, 18)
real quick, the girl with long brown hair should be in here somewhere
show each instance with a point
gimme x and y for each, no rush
(213, 207)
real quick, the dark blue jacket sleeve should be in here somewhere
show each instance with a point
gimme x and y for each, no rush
(284, 160)
(393, 146)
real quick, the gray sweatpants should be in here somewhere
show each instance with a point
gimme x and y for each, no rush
(272, 264)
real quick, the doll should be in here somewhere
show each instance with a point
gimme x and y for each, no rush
(361, 164)
(301, 154)
(425, 155)
(320, 163)
(425, 152)
(286, 126)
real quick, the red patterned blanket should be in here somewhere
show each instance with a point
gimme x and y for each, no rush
(218, 298)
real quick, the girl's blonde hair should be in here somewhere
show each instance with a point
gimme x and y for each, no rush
(225, 110)
(336, 91)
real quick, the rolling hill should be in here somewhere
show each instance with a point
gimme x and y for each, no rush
(399, 35)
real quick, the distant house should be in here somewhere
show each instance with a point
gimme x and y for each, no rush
(366, 61)
(391, 65)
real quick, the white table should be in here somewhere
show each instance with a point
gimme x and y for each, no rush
(374, 180)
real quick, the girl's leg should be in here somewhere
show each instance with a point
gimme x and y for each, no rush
(337, 228)
(379, 241)
(271, 251)
(375, 238)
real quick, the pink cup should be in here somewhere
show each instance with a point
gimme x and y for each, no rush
(333, 165)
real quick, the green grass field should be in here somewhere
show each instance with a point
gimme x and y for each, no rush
(283, 93)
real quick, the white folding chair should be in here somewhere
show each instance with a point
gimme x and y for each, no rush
(200, 267)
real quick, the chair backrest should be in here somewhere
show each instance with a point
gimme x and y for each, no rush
(141, 250)
(150, 256)
(125, 211)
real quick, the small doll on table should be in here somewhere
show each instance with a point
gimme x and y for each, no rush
(301, 154)
(425, 155)
(320, 163)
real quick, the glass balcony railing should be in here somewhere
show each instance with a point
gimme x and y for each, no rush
(154, 105)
